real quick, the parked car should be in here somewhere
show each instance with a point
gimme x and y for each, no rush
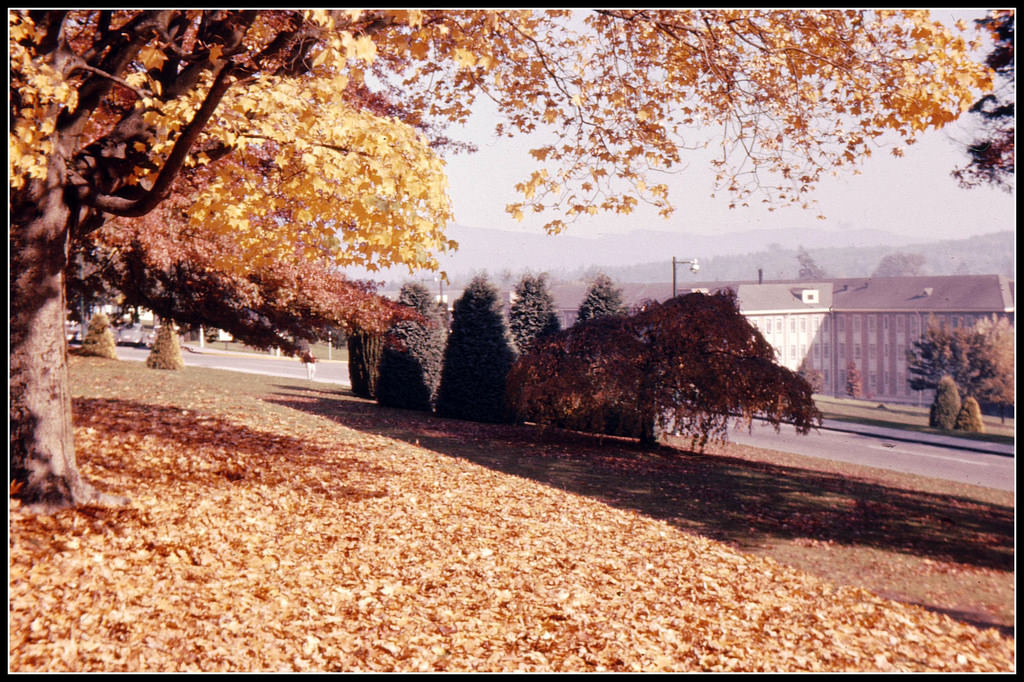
(73, 331)
(136, 335)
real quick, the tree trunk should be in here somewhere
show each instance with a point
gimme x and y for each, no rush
(365, 350)
(44, 472)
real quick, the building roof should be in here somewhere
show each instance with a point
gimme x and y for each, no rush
(981, 293)
(782, 296)
(940, 293)
(953, 293)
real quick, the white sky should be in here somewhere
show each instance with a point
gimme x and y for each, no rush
(913, 195)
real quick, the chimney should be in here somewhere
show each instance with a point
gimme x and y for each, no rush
(760, 276)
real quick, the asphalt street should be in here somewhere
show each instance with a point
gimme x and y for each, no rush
(327, 371)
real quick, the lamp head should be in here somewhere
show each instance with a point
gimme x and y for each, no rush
(694, 266)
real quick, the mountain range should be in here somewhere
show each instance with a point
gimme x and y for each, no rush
(646, 255)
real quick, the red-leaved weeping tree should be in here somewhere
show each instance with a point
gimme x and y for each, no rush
(690, 365)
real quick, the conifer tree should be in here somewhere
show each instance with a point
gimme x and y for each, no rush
(532, 314)
(477, 357)
(410, 365)
(946, 406)
(166, 353)
(969, 418)
(99, 339)
(602, 298)
(365, 349)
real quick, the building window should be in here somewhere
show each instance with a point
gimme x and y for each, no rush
(824, 350)
(899, 323)
(856, 351)
(841, 320)
(871, 323)
(856, 323)
(803, 324)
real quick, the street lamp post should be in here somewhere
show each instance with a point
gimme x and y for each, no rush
(694, 267)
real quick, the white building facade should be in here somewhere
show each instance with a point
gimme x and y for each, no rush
(826, 325)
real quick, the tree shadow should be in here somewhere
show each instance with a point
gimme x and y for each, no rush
(239, 455)
(734, 500)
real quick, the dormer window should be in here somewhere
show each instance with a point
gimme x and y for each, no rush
(809, 295)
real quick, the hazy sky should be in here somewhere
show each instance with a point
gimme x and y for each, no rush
(913, 195)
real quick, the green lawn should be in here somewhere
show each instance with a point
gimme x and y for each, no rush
(910, 417)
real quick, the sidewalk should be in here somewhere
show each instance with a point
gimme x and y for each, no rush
(917, 437)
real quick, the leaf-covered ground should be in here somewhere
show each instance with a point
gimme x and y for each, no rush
(265, 538)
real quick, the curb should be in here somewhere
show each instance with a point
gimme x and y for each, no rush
(925, 439)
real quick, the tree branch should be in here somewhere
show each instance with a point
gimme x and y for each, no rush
(120, 206)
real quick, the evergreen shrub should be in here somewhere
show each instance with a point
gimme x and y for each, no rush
(365, 350)
(602, 299)
(946, 406)
(410, 365)
(969, 417)
(166, 352)
(532, 314)
(99, 339)
(477, 357)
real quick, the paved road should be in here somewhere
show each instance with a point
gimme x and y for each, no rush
(991, 465)
(327, 371)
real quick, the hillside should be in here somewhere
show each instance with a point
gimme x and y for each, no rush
(645, 255)
(982, 255)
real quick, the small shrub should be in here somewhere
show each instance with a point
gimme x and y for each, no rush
(99, 339)
(166, 353)
(854, 383)
(969, 417)
(946, 405)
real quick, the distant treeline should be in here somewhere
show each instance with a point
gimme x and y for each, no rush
(991, 254)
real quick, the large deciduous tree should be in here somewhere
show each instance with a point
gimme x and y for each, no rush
(107, 107)
(689, 365)
(978, 359)
(900, 264)
(992, 154)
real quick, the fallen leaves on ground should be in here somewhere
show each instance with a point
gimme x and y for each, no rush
(271, 543)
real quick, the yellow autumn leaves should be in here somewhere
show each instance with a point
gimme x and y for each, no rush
(345, 184)
(791, 95)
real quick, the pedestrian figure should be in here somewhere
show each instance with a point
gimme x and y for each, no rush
(309, 360)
